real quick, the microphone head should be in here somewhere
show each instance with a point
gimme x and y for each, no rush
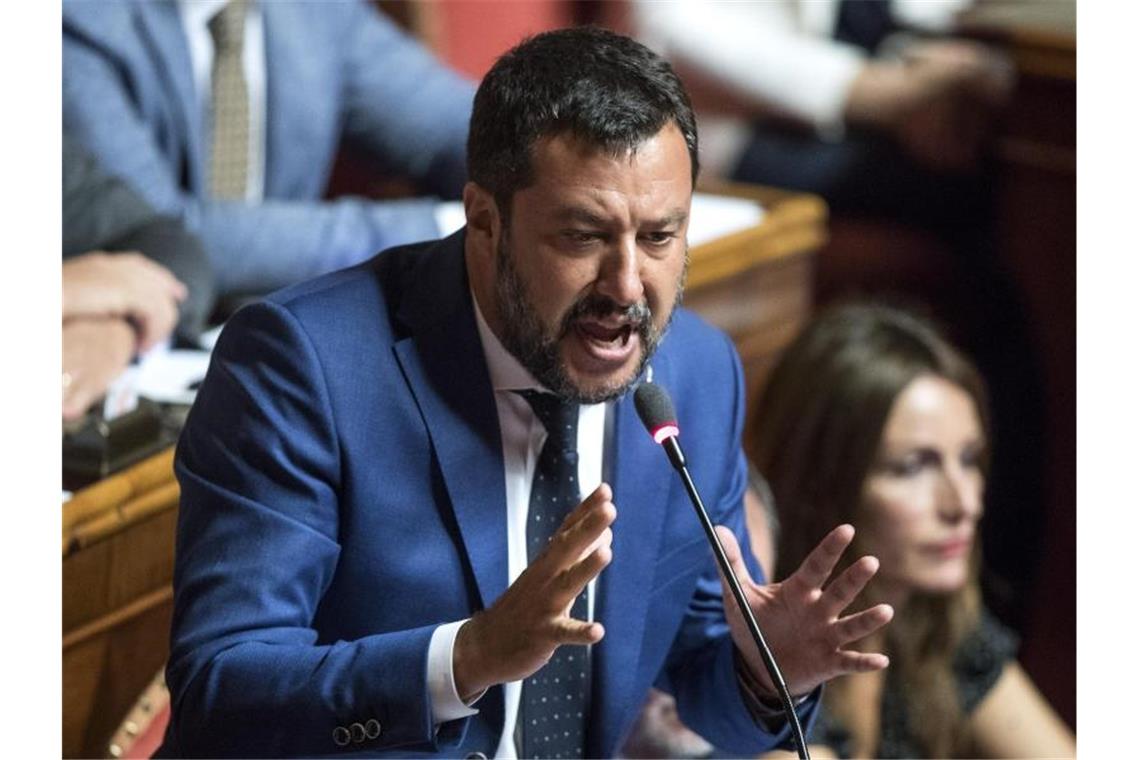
(655, 409)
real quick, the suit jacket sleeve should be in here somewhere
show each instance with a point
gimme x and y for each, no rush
(259, 466)
(411, 112)
(101, 213)
(261, 247)
(701, 668)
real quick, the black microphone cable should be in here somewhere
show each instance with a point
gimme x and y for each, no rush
(656, 411)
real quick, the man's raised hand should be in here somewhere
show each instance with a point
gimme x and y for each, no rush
(801, 620)
(517, 634)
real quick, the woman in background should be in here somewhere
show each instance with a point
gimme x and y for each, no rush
(873, 419)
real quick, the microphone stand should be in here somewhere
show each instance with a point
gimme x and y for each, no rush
(677, 459)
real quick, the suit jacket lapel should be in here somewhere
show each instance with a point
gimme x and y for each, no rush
(161, 26)
(445, 369)
(641, 480)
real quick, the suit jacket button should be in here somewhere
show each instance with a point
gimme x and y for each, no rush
(357, 732)
(372, 728)
(341, 736)
(476, 756)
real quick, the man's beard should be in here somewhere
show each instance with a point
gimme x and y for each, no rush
(525, 337)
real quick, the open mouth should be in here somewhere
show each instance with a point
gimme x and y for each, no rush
(605, 337)
(607, 345)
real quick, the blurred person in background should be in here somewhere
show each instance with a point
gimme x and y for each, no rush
(229, 115)
(858, 102)
(131, 279)
(875, 107)
(873, 419)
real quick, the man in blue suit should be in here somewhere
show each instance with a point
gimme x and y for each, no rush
(137, 92)
(369, 459)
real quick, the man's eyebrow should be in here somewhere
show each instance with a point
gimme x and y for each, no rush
(575, 214)
(673, 218)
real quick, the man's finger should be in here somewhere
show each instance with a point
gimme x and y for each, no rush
(861, 624)
(576, 578)
(580, 632)
(76, 399)
(571, 541)
(860, 662)
(813, 572)
(734, 555)
(843, 590)
(600, 495)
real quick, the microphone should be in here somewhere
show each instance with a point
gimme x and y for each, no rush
(655, 409)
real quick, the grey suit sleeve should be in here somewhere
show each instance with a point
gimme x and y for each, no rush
(401, 103)
(253, 248)
(101, 212)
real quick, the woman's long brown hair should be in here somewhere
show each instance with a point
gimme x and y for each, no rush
(814, 434)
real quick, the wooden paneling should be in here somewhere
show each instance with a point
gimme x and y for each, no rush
(756, 285)
(118, 560)
(1038, 225)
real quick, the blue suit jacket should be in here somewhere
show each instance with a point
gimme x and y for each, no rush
(333, 70)
(343, 495)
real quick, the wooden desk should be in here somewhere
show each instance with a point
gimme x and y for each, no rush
(118, 563)
(118, 535)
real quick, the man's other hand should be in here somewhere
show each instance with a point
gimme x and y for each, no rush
(95, 351)
(518, 634)
(800, 619)
(124, 285)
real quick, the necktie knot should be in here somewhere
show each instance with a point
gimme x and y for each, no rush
(227, 27)
(558, 416)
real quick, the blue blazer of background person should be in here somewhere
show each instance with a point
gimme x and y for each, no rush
(345, 489)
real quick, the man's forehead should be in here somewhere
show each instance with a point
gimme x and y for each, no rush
(565, 165)
(570, 143)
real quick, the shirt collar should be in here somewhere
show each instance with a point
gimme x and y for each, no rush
(197, 13)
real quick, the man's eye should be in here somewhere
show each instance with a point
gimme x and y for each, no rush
(658, 238)
(580, 237)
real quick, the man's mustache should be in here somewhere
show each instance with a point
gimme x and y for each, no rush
(638, 315)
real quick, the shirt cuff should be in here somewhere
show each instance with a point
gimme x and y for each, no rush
(768, 712)
(446, 704)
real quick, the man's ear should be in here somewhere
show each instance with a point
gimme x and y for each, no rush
(484, 224)
(480, 248)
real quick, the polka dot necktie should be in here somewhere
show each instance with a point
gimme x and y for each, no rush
(229, 150)
(553, 707)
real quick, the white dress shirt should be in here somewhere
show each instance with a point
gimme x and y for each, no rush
(523, 436)
(774, 53)
(196, 15)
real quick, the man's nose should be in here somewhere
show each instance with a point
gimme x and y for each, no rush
(620, 275)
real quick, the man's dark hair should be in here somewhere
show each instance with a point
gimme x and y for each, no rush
(605, 89)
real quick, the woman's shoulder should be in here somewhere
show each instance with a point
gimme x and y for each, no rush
(981, 657)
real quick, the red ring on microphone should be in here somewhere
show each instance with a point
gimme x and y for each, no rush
(665, 430)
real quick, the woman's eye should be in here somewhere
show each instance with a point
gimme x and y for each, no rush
(972, 458)
(911, 464)
(905, 467)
